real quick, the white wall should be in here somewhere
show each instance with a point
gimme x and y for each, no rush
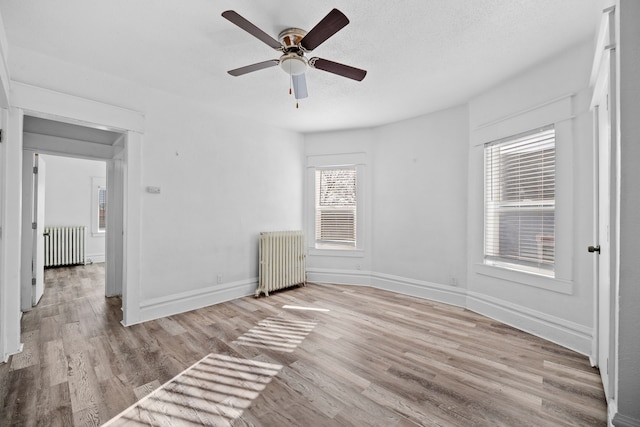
(559, 309)
(426, 195)
(415, 207)
(420, 196)
(222, 181)
(340, 148)
(69, 197)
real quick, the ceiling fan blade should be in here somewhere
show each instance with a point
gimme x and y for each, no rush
(253, 67)
(330, 24)
(300, 86)
(256, 32)
(337, 68)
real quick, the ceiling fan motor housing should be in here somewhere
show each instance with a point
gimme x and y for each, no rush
(292, 61)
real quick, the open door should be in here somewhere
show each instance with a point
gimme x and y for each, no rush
(38, 232)
(33, 197)
(604, 247)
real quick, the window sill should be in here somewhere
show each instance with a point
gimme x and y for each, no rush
(524, 278)
(98, 234)
(354, 253)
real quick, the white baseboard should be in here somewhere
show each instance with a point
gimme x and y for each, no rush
(94, 258)
(419, 288)
(560, 331)
(620, 420)
(563, 332)
(191, 300)
(5, 357)
(339, 277)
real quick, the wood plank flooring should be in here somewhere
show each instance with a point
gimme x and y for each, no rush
(371, 358)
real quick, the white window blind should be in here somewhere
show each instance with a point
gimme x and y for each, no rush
(520, 201)
(336, 199)
(102, 208)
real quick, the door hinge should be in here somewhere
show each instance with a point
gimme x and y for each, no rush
(0, 135)
(35, 170)
(34, 225)
(33, 281)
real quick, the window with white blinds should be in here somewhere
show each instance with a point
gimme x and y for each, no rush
(336, 200)
(519, 225)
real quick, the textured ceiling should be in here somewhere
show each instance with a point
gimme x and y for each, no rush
(421, 55)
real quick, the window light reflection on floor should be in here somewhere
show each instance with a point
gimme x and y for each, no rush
(214, 391)
(276, 333)
(296, 307)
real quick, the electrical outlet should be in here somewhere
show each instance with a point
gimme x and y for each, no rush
(219, 278)
(453, 281)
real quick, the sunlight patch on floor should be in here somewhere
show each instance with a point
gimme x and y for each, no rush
(214, 391)
(276, 333)
(297, 307)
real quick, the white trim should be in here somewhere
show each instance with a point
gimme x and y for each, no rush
(340, 277)
(5, 75)
(525, 278)
(560, 331)
(132, 228)
(350, 252)
(49, 104)
(604, 42)
(554, 111)
(336, 160)
(94, 258)
(420, 288)
(97, 182)
(191, 300)
(11, 233)
(525, 111)
(621, 420)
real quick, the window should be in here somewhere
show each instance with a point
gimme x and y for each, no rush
(335, 208)
(519, 225)
(102, 209)
(98, 206)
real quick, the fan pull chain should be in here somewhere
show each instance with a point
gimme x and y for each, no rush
(290, 79)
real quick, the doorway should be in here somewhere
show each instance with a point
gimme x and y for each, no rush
(79, 157)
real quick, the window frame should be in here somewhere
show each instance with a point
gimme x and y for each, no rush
(335, 244)
(97, 184)
(494, 209)
(329, 161)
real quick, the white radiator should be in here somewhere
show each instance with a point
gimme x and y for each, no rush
(64, 245)
(282, 261)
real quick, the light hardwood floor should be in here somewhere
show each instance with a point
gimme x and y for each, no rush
(374, 358)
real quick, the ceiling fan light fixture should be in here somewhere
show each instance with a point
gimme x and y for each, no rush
(293, 64)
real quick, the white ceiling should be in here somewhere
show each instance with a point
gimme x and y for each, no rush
(421, 55)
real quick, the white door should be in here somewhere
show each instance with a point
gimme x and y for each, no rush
(32, 253)
(605, 107)
(603, 244)
(38, 232)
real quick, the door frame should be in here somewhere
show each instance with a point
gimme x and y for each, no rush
(35, 101)
(603, 82)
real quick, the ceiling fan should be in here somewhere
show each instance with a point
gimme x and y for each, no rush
(294, 43)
